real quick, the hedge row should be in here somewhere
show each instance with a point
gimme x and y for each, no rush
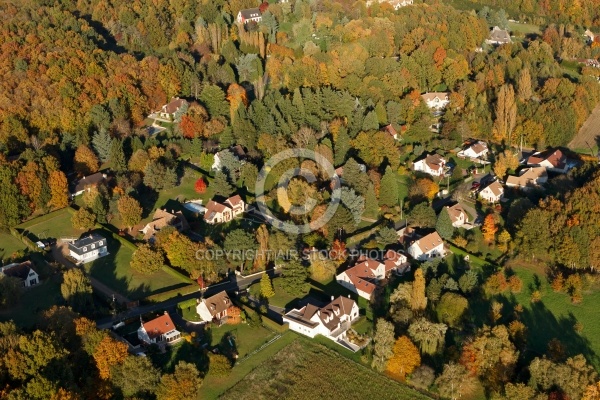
(28, 242)
(274, 326)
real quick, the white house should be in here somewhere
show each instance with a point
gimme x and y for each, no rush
(87, 182)
(364, 277)
(247, 15)
(492, 193)
(88, 248)
(215, 308)
(498, 36)
(458, 216)
(430, 246)
(159, 330)
(528, 178)
(23, 271)
(553, 160)
(168, 110)
(477, 150)
(432, 164)
(436, 100)
(217, 213)
(331, 321)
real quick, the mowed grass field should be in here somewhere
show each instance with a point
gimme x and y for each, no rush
(306, 370)
(9, 244)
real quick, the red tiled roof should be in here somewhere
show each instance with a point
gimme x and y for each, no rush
(159, 326)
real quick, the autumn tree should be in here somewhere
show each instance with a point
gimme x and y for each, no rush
(85, 161)
(76, 289)
(219, 365)
(506, 114)
(383, 344)
(430, 337)
(405, 358)
(489, 228)
(136, 376)
(506, 160)
(321, 268)
(491, 355)
(83, 219)
(59, 193)
(455, 382)
(236, 95)
(524, 88)
(266, 287)
(200, 186)
(129, 210)
(147, 260)
(451, 309)
(418, 299)
(109, 352)
(138, 161)
(184, 383)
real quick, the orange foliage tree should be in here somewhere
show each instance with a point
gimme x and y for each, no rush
(405, 359)
(489, 228)
(200, 186)
(109, 352)
(86, 161)
(58, 189)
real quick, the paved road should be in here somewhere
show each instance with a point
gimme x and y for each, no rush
(238, 283)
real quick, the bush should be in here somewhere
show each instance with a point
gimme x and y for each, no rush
(452, 308)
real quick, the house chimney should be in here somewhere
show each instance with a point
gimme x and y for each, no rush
(166, 313)
(332, 298)
(348, 296)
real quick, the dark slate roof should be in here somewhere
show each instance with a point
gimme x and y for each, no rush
(89, 181)
(250, 13)
(20, 271)
(78, 245)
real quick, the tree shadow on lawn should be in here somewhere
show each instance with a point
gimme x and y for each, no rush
(542, 326)
(104, 269)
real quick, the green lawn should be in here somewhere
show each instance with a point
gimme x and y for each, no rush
(9, 245)
(213, 387)
(281, 298)
(525, 29)
(306, 370)
(56, 225)
(244, 337)
(33, 301)
(114, 271)
(552, 317)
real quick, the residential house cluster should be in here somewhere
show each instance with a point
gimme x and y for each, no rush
(162, 219)
(365, 277)
(216, 213)
(332, 320)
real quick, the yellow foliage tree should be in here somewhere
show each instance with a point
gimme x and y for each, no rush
(58, 189)
(405, 359)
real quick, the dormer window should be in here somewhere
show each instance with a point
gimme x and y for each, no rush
(85, 249)
(100, 243)
(93, 246)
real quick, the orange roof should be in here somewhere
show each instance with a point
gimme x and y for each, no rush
(159, 326)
